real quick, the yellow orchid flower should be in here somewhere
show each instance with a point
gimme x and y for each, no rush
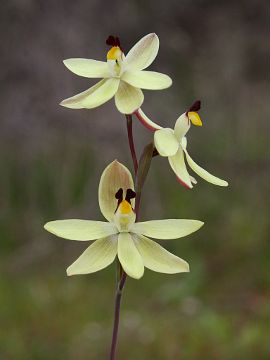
(121, 236)
(172, 143)
(123, 76)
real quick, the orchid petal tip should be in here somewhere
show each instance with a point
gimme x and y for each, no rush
(201, 223)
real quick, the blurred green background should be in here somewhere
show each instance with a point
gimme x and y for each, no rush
(51, 159)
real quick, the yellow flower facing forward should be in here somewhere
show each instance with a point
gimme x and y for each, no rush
(123, 76)
(121, 236)
(172, 143)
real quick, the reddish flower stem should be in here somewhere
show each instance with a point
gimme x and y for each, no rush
(118, 298)
(123, 275)
(131, 143)
(145, 162)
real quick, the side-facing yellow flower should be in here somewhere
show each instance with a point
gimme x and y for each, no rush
(123, 76)
(172, 143)
(121, 235)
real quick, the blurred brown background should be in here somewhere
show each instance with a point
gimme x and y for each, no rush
(51, 159)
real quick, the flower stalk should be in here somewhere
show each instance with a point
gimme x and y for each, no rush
(117, 306)
(131, 143)
(122, 275)
(141, 170)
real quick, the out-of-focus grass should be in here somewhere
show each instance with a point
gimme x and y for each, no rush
(218, 311)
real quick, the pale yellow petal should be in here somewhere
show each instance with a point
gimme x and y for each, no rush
(149, 80)
(182, 126)
(88, 68)
(82, 230)
(97, 95)
(129, 256)
(166, 142)
(128, 98)
(114, 177)
(203, 173)
(96, 257)
(143, 52)
(178, 165)
(158, 259)
(166, 229)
